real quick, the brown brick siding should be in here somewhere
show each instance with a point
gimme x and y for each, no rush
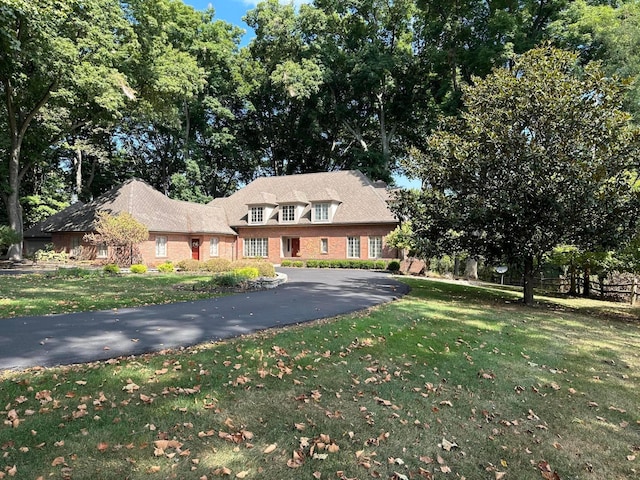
(336, 236)
(178, 247)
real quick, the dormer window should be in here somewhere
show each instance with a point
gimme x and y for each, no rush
(256, 215)
(288, 213)
(321, 212)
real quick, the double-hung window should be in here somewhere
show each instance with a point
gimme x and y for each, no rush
(353, 247)
(375, 247)
(161, 246)
(214, 247)
(324, 246)
(256, 215)
(321, 212)
(288, 213)
(256, 247)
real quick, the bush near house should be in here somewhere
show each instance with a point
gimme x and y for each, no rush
(354, 263)
(221, 265)
(138, 268)
(166, 267)
(111, 268)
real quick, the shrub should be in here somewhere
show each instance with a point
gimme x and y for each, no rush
(298, 263)
(286, 263)
(190, 265)
(265, 269)
(313, 263)
(380, 265)
(138, 268)
(217, 265)
(111, 268)
(247, 273)
(166, 267)
(394, 266)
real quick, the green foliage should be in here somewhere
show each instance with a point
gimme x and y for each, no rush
(402, 238)
(393, 266)
(538, 158)
(286, 263)
(8, 236)
(138, 268)
(111, 268)
(73, 272)
(248, 273)
(166, 267)
(265, 268)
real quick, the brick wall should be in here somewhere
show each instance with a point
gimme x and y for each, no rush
(310, 240)
(178, 247)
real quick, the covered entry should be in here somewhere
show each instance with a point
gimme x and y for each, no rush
(290, 247)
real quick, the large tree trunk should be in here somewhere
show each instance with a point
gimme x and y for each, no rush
(471, 269)
(586, 289)
(12, 199)
(528, 280)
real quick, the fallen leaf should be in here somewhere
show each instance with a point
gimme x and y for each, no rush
(57, 461)
(103, 447)
(242, 474)
(271, 448)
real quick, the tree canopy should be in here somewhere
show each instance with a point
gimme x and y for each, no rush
(542, 154)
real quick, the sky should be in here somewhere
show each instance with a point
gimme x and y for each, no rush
(232, 11)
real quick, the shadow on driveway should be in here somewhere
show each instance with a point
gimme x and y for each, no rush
(309, 294)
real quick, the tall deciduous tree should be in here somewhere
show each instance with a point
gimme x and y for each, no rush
(542, 155)
(57, 56)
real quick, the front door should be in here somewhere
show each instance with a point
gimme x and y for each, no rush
(195, 248)
(295, 247)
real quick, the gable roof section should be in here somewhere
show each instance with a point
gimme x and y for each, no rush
(147, 205)
(359, 200)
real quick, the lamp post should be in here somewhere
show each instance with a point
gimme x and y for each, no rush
(502, 269)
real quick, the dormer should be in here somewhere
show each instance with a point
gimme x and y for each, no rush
(260, 211)
(291, 207)
(324, 206)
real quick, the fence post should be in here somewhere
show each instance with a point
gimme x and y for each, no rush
(634, 291)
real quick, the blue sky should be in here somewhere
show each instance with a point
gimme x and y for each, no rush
(232, 11)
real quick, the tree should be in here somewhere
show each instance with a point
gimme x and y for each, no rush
(8, 237)
(56, 58)
(122, 233)
(542, 155)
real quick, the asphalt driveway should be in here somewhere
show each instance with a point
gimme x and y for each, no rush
(309, 294)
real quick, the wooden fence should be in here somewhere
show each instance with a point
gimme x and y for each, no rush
(621, 292)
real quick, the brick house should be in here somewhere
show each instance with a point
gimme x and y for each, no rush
(333, 215)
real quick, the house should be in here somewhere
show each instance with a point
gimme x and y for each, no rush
(177, 229)
(329, 215)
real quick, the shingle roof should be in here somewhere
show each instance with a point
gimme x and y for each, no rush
(359, 200)
(147, 205)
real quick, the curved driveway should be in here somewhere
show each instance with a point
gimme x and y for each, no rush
(83, 337)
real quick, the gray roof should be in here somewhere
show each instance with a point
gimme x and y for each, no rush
(359, 200)
(147, 205)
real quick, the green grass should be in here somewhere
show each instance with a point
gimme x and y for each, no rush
(381, 394)
(81, 290)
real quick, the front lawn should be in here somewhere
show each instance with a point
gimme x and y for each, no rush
(449, 382)
(81, 291)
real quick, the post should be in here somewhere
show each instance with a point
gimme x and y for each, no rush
(634, 291)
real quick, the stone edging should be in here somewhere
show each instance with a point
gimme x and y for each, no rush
(268, 282)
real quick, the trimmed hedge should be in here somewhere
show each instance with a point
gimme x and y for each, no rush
(111, 268)
(349, 263)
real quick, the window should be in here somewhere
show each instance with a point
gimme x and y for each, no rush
(321, 212)
(103, 250)
(256, 247)
(375, 247)
(161, 246)
(324, 245)
(256, 215)
(76, 247)
(214, 249)
(353, 247)
(288, 213)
